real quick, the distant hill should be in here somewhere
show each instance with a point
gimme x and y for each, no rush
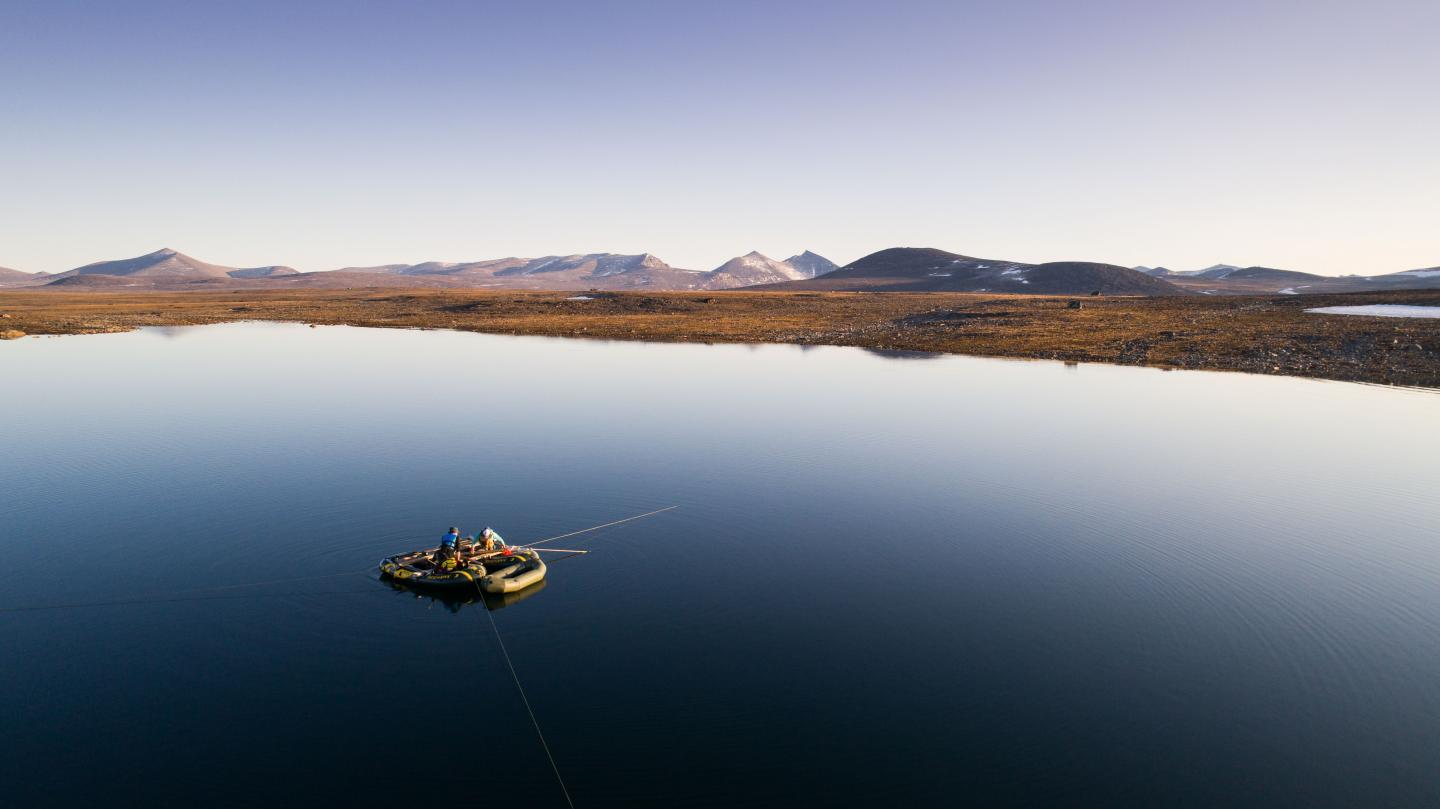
(1230, 280)
(263, 272)
(380, 269)
(1271, 274)
(92, 281)
(926, 269)
(603, 271)
(1213, 271)
(164, 263)
(594, 267)
(166, 266)
(812, 265)
(751, 269)
(1428, 272)
(1078, 277)
(9, 277)
(608, 271)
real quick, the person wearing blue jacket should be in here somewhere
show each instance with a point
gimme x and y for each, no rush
(449, 545)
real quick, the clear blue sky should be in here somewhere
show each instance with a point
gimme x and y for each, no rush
(1303, 135)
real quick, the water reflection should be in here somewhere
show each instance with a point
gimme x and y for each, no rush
(454, 601)
(897, 354)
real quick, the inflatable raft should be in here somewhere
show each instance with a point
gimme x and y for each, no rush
(521, 569)
(423, 572)
(505, 570)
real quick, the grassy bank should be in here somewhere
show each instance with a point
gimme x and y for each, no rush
(1261, 334)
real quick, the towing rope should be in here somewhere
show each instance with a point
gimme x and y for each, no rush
(598, 527)
(509, 664)
(535, 723)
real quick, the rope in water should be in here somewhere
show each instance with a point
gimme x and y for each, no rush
(598, 527)
(509, 664)
(535, 723)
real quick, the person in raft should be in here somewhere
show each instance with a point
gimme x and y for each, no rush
(448, 545)
(491, 541)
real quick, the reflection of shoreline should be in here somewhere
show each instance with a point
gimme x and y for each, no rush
(1265, 334)
(898, 354)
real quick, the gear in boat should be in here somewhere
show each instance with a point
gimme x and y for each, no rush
(485, 563)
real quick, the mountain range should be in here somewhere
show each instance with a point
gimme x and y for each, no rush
(1228, 279)
(169, 269)
(897, 269)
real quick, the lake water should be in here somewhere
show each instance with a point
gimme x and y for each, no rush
(891, 580)
(1379, 310)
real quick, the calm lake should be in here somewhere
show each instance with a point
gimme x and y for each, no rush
(891, 580)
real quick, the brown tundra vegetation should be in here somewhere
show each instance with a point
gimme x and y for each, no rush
(1271, 334)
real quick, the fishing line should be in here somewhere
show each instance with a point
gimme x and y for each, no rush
(535, 723)
(509, 664)
(598, 527)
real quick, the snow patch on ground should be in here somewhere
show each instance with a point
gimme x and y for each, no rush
(1420, 273)
(1380, 310)
(1294, 290)
(579, 298)
(940, 275)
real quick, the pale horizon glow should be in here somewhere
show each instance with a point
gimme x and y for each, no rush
(1298, 135)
